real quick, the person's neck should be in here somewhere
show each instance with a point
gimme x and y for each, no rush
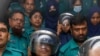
(36, 28)
(79, 44)
(27, 14)
(2, 50)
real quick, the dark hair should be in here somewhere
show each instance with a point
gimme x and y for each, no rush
(33, 54)
(23, 1)
(33, 12)
(5, 22)
(73, 2)
(15, 11)
(77, 20)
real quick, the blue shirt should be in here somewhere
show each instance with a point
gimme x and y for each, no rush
(21, 43)
(64, 38)
(69, 49)
(12, 52)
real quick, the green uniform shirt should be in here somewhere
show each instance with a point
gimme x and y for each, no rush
(27, 23)
(41, 5)
(31, 30)
(12, 52)
(21, 43)
(69, 49)
(63, 6)
(17, 6)
(87, 5)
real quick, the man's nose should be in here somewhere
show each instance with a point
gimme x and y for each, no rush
(81, 32)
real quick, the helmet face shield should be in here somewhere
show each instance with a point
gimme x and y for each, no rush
(44, 39)
(90, 47)
(44, 42)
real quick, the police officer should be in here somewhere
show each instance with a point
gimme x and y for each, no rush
(18, 38)
(4, 37)
(91, 47)
(64, 27)
(44, 43)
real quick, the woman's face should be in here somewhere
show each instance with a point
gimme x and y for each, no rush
(66, 26)
(95, 18)
(43, 50)
(36, 19)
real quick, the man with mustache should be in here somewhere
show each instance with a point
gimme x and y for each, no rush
(4, 38)
(18, 40)
(79, 33)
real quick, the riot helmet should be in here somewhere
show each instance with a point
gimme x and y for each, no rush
(90, 47)
(43, 39)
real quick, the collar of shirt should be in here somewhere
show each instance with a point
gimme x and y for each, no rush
(72, 44)
(10, 31)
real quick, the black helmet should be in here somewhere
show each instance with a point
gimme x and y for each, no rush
(42, 37)
(88, 45)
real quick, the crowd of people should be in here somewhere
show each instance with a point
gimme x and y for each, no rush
(50, 28)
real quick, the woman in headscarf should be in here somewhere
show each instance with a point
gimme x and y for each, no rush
(93, 22)
(63, 30)
(52, 14)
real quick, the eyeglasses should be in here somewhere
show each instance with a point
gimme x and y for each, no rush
(16, 19)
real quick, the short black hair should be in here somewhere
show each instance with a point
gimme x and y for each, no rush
(23, 1)
(33, 12)
(15, 11)
(5, 22)
(73, 1)
(77, 20)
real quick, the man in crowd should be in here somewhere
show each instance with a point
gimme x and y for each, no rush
(4, 37)
(79, 33)
(17, 38)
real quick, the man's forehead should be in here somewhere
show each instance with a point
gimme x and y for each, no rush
(80, 24)
(2, 25)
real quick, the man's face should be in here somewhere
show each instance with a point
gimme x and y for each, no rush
(17, 21)
(29, 6)
(4, 35)
(79, 32)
